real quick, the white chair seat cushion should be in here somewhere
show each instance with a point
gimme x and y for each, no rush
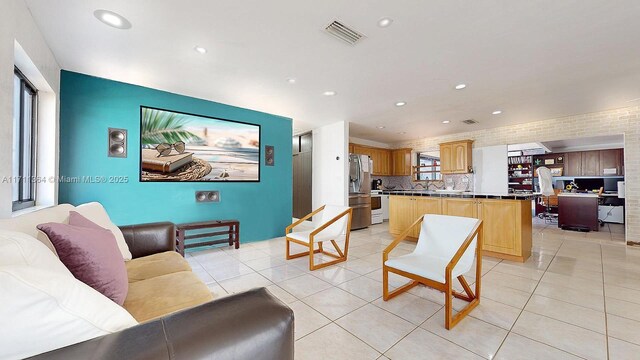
(304, 236)
(430, 267)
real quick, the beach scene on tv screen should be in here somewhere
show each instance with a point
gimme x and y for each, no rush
(184, 147)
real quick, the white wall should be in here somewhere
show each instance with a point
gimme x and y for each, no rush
(490, 166)
(330, 164)
(22, 43)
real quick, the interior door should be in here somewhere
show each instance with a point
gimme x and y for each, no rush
(302, 175)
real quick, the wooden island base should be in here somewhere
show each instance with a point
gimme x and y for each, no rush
(507, 223)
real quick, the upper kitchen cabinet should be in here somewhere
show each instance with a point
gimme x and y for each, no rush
(401, 160)
(381, 158)
(591, 163)
(611, 162)
(455, 157)
(573, 164)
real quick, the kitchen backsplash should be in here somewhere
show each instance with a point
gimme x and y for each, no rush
(458, 181)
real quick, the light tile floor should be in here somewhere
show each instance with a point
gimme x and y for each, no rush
(578, 296)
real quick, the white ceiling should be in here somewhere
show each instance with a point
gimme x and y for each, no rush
(590, 143)
(532, 59)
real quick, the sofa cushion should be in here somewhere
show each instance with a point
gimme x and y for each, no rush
(27, 223)
(96, 213)
(43, 306)
(161, 295)
(91, 254)
(159, 264)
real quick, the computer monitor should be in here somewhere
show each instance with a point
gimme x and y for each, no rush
(589, 183)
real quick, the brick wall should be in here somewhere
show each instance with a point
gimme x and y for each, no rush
(611, 122)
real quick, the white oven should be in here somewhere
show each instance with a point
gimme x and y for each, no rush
(376, 208)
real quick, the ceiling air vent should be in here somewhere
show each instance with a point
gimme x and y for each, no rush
(344, 33)
(469, 121)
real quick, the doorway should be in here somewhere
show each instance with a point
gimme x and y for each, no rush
(302, 172)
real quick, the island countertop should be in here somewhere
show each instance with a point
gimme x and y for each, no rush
(463, 195)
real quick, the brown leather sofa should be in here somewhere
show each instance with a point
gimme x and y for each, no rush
(250, 325)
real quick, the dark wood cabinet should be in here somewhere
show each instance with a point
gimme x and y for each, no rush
(611, 162)
(591, 163)
(573, 164)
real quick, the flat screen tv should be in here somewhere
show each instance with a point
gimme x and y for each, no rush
(178, 146)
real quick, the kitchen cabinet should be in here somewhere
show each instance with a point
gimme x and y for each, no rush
(611, 162)
(507, 229)
(455, 157)
(401, 159)
(591, 163)
(573, 164)
(404, 210)
(460, 207)
(383, 163)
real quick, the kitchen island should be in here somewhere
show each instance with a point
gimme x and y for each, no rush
(507, 220)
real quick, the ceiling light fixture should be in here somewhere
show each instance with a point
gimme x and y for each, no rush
(401, 103)
(200, 49)
(402, 132)
(461, 86)
(380, 127)
(497, 112)
(112, 19)
(446, 121)
(291, 81)
(329, 93)
(384, 22)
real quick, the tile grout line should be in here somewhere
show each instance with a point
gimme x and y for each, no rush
(604, 299)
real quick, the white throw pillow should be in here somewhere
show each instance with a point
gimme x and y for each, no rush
(96, 213)
(43, 307)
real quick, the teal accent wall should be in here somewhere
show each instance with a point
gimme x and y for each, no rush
(90, 105)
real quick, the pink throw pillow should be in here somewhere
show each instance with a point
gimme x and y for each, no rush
(91, 253)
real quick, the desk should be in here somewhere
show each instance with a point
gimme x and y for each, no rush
(231, 234)
(578, 211)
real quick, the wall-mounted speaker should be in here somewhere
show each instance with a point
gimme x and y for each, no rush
(117, 143)
(269, 155)
(208, 196)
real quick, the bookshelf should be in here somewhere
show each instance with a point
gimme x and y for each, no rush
(520, 172)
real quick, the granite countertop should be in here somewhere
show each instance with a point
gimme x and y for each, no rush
(464, 195)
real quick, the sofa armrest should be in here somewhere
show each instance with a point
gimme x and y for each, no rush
(249, 325)
(151, 238)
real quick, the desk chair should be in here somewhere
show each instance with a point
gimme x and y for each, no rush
(548, 196)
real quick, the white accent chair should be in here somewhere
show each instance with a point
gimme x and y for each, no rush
(445, 250)
(335, 224)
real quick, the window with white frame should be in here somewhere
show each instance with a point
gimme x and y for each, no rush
(25, 100)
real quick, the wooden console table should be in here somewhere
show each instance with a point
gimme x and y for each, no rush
(231, 233)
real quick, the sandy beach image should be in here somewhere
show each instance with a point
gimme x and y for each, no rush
(231, 149)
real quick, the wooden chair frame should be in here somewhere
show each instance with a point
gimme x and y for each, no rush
(472, 298)
(342, 255)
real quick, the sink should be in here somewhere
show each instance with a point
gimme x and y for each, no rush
(450, 191)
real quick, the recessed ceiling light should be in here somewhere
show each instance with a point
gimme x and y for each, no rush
(380, 127)
(461, 86)
(329, 93)
(632, 100)
(402, 132)
(446, 121)
(291, 81)
(497, 112)
(200, 49)
(385, 21)
(112, 19)
(401, 103)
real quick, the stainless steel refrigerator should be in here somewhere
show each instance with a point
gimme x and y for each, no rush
(360, 167)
